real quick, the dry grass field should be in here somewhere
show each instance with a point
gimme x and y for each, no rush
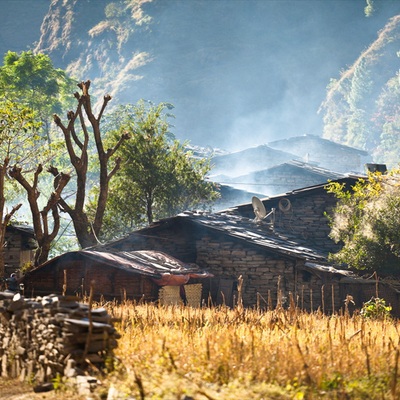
(219, 353)
(184, 353)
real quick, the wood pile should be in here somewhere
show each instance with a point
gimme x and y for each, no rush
(46, 337)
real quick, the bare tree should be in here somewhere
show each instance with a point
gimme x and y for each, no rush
(45, 232)
(77, 146)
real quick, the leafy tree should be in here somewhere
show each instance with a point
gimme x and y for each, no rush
(77, 144)
(32, 80)
(387, 119)
(31, 90)
(158, 177)
(366, 220)
(17, 138)
(369, 8)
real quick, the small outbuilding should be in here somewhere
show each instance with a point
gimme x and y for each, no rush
(19, 247)
(134, 275)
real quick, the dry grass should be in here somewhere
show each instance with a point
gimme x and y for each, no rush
(185, 353)
(208, 353)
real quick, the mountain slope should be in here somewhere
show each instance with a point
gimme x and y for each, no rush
(240, 73)
(362, 107)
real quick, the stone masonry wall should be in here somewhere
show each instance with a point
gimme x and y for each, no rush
(262, 273)
(306, 219)
(267, 279)
(54, 335)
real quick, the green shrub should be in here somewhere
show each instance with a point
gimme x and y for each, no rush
(376, 308)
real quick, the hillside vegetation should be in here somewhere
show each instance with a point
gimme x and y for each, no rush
(362, 107)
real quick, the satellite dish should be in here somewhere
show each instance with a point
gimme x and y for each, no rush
(259, 208)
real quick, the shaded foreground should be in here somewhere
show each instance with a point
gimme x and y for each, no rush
(174, 352)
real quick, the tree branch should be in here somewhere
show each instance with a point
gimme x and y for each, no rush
(62, 203)
(125, 136)
(62, 180)
(117, 166)
(8, 216)
(106, 99)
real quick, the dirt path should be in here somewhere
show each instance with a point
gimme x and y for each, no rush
(13, 389)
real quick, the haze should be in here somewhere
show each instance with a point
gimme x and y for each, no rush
(239, 72)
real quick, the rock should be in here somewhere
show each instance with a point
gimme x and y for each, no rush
(44, 387)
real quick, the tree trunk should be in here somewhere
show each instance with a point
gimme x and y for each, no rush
(85, 230)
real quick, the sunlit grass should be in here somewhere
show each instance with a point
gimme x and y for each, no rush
(167, 352)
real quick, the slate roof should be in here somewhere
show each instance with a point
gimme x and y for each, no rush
(283, 177)
(304, 167)
(23, 229)
(246, 209)
(313, 142)
(315, 267)
(250, 159)
(259, 234)
(154, 264)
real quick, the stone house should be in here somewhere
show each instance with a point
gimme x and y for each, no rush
(301, 213)
(280, 259)
(134, 275)
(283, 178)
(287, 164)
(273, 267)
(248, 160)
(19, 247)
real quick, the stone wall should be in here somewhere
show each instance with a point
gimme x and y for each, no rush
(268, 279)
(227, 259)
(302, 217)
(44, 337)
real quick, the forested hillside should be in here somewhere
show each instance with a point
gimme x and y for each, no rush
(362, 107)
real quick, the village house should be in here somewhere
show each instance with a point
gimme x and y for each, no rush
(282, 256)
(274, 269)
(19, 248)
(134, 275)
(288, 164)
(248, 160)
(284, 178)
(236, 256)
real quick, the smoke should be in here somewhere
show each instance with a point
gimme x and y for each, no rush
(244, 73)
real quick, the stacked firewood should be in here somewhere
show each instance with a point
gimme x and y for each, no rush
(45, 337)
